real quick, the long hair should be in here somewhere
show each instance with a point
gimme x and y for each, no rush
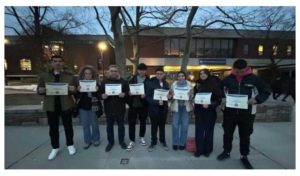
(87, 67)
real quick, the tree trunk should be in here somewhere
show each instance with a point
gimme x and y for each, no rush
(187, 48)
(119, 40)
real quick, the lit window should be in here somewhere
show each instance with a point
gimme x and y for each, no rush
(167, 47)
(25, 64)
(246, 49)
(260, 50)
(275, 49)
(289, 50)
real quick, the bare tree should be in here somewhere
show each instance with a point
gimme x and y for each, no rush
(30, 22)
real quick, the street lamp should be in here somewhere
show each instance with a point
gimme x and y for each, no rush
(102, 46)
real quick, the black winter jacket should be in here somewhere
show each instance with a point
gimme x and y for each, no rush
(153, 105)
(250, 85)
(135, 100)
(114, 105)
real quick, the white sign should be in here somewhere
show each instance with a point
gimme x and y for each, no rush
(113, 89)
(181, 93)
(237, 101)
(57, 88)
(160, 94)
(87, 85)
(203, 98)
(137, 89)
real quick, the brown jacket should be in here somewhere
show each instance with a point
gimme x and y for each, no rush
(67, 101)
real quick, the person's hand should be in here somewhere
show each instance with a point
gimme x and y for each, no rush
(122, 95)
(72, 88)
(97, 88)
(170, 94)
(205, 106)
(161, 102)
(104, 96)
(129, 93)
(42, 90)
(143, 95)
(78, 88)
(252, 101)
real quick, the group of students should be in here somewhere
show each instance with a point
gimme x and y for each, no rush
(240, 81)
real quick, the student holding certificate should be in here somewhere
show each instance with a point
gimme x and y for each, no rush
(89, 106)
(58, 102)
(138, 107)
(181, 109)
(114, 105)
(241, 82)
(207, 98)
(158, 109)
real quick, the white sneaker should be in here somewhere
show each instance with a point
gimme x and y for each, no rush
(53, 154)
(72, 149)
(143, 142)
(130, 146)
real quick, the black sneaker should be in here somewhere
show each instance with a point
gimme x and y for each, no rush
(165, 146)
(175, 147)
(181, 147)
(109, 147)
(197, 155)
(206, 154)
(223, 156)
(151, 147)
(246, 162)
(86, 146)
(123, 145)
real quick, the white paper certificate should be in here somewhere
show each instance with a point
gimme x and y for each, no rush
(160, 94)
(57, 88)
(181, 93)
(203, 98)
(87, 85)
(113, 89)
(137, 89)
(237, 101)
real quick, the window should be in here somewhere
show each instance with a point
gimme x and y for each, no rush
(230, 48)
(275, 49)
(199, 47)
(246, 49)
(289, 50)
(193, 47)
(216, 47)
(181, 46)
(260, 50)
(25, 64)
(174, 47)
(224, 48)
(208, 47)
(167, 47)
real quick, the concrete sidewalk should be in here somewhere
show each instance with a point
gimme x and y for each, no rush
(27, 147)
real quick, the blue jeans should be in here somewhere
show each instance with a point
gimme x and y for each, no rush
(90, 126)
(180, 124)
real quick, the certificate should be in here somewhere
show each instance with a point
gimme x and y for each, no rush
(137, 89)
(203, 98)
(181, 93)
(160, 94)
(57, 88)
(113, 89)
(87, 85)
(237, 101)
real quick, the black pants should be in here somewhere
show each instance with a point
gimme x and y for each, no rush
(133, 114)
(53, 121)
(158, 121)
(245, 125)
(110, 119)
(204, 133)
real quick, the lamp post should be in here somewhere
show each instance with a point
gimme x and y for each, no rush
(102, 46)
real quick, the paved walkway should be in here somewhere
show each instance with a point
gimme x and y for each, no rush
(27, 147)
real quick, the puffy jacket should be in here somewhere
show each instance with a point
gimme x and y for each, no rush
(250, 85)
